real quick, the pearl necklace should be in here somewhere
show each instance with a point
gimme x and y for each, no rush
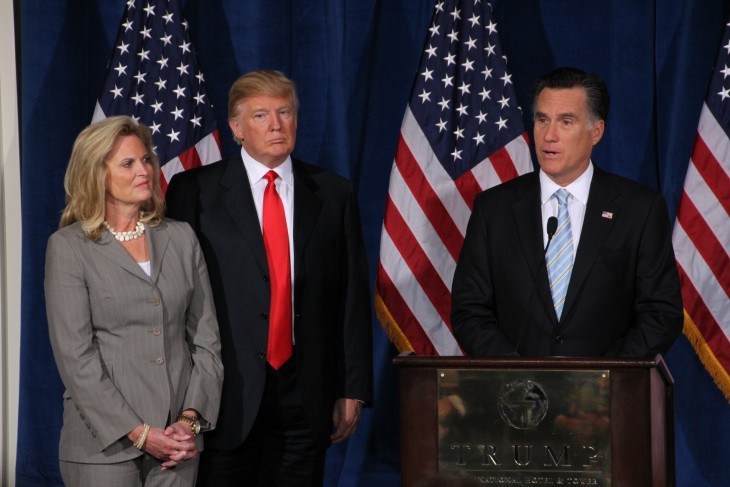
(123, 236)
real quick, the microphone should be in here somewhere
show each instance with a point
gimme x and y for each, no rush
(552, 227)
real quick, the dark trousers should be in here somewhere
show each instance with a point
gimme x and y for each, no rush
(280, 449)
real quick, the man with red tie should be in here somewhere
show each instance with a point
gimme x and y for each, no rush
(287, 265)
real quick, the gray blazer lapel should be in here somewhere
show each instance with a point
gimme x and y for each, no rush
(238, 200)
(157, 242)
(109, 248)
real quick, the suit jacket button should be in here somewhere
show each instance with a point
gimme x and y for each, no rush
(261, 355)
(264, 316)
(155, 302)
(559, 339)
(159, 360)
(156, 331)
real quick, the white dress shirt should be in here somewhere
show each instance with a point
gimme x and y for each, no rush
(577, 201)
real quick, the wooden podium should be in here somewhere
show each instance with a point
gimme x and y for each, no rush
(638, 424)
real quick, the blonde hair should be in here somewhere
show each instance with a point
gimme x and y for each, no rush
(85, 180)
(264, 82)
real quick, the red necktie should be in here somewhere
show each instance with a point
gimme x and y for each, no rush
(276, 241)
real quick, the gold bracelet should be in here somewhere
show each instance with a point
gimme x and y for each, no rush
(143, 437)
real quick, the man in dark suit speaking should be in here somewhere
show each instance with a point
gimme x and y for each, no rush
(607, 285)
(287, 264)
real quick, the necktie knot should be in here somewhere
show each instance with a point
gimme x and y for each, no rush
(562, 196)
(271, 176)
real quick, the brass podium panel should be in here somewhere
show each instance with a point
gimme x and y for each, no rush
(525, 427)
(536, 422)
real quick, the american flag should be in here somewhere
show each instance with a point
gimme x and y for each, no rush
(154, 77)
(701, 236)
(462, 133)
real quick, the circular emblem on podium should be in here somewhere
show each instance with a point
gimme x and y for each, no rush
(522, 404)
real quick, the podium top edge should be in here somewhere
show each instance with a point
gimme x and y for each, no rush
(528, 362)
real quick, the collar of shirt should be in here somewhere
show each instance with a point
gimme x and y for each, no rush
(284, 186)
(256, 171)
(578, 189)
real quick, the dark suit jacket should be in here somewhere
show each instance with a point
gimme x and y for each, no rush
(623, 298)
(332, 323)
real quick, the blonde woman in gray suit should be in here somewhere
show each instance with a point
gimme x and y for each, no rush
(131, 320)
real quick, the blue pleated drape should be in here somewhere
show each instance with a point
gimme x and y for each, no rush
(354, 62)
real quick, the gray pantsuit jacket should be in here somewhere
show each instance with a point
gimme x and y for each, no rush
(130, 348)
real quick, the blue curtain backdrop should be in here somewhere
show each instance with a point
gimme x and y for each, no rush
(354, 63)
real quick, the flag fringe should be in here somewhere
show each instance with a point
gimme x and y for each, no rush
(389, 325)
(718, 373)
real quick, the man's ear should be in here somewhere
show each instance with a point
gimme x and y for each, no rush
(597, 131)
(235, 128)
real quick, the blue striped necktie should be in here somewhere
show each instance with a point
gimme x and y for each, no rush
(560, 254)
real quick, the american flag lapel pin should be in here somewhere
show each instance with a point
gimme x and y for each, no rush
(608, 215)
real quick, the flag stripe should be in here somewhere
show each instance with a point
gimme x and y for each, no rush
(428, 200)
(696, 189)
(416, 302)
(420, 266)
(702, 278)
(711, 171)
(408, 324)
(189, 158)
(704, 241)
(499, 167)
(712, 334)
(468, 186)
(519, 153)
(172, 167)
(428, 240)
(503, 165)
(711, 131)
(209, 148)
